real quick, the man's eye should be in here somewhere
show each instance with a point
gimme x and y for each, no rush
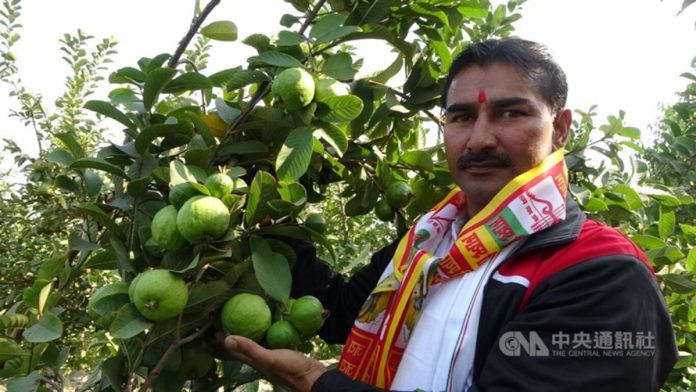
(512, 114)
(461, 117)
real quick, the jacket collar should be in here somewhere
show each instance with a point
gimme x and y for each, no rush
(559, 234)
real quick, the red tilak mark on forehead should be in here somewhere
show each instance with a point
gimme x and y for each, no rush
(482, 96)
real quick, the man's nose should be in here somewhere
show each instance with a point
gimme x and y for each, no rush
(482, 136)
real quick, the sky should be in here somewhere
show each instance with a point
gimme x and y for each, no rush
(619, 54)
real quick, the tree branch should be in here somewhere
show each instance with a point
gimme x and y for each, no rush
(195, 25)
(261, 92)
(176, 343)
(310, 16)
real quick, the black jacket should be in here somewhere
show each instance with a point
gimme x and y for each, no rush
(577, 280)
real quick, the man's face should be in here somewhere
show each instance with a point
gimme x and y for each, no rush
(497, 127)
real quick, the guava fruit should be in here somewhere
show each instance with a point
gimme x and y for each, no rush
(295, 87)
(307, 315)
(246, 315)
(160, 295)
(202, 216)
(164, 231)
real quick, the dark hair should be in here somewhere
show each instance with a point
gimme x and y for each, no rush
(530, 58)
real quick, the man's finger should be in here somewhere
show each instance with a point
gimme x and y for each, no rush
(245, 350)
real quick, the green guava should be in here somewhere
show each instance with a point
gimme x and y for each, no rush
(282, 334)
(384, 210)
(307, 315)
(164, 231)
(398, 194)
(202, 216)
(219, 184)
(295, 87)
(196, 361)
(246, 315)
(160, 295)
(316, 222)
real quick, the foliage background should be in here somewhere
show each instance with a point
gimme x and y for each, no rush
(52, 232)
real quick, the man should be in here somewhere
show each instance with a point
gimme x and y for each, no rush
(503, 286)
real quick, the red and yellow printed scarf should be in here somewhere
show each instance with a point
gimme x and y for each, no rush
(531, 202)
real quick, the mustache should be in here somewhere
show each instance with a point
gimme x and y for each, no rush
(489, 157)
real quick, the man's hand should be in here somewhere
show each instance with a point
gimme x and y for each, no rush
(286, 367)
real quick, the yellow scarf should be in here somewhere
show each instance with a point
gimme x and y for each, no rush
(531, 202)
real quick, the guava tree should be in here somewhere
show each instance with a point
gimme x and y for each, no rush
(256, 148)
(292, 142)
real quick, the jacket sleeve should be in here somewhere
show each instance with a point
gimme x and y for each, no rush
(343, 299)
(603, 326)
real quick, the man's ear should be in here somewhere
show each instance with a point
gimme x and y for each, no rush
(561, 128)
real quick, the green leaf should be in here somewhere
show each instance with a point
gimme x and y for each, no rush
(335, 136)
(300, 233)
(473, 10)
(648, 242)
(271, 269)
(93, 183)
(95, 212)
(429, 11)
(148, 64)
(631, 197)
(127, 75)
(630, 132)
(262, 189)
(154, 83)
(294, 156)
(236, 79)
(47, 329)
(342, 108)
(339, 67)
(288, 20)
(112, 369)
(293, 193)
(595, 204)
(128, 323)
(28, 383)
(236, 171)
(337, 33)
(99, 164)
(150, 133)
(275, 59)
(207, 297)
(326, 24)
(687, 229)
(259, 42)
(178, 173)
(111, 300)
(391, 71)
(188, 82)
(71, 143)
(679, 283)
(60, 157)
(105, 260)
(289, 38)
(79, 244)
(108, 110)
(666, 223)
(243, 147)
(10, 349)
(43, 296)
(67, 183)
(691, 260)
(420, 160)
(222, 30)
